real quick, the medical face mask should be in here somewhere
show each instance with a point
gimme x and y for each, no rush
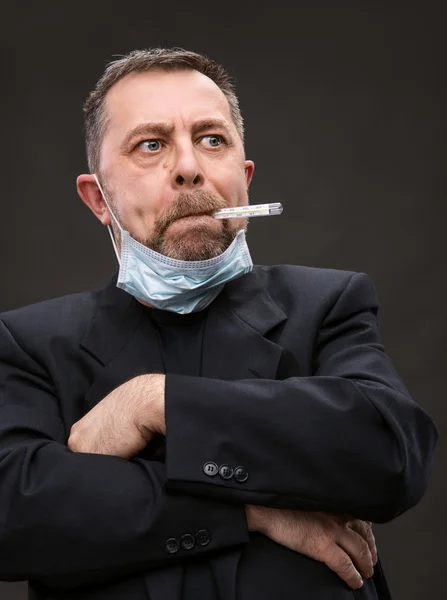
(180, 286)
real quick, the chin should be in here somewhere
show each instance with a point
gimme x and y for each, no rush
(195, 245)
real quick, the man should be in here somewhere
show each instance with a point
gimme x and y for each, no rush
(199, 428)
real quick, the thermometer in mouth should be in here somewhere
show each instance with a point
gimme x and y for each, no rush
(254, 210)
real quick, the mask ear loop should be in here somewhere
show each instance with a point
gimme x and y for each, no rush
(109, 228)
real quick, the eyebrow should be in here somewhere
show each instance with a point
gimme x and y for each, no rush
(162, 129)
(212, 123)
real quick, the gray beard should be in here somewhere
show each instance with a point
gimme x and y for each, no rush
(182, 247)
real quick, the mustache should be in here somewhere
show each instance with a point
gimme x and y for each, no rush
(188, 204)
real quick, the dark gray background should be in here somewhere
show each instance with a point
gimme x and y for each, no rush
(345, 119)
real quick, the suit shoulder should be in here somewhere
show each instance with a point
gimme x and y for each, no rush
(304, 277)
(289, 283)
(65, 315)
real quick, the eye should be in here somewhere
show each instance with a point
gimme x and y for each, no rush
(150, 145)
(213, 140)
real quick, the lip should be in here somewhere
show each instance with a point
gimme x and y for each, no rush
(204, 214)
(197, 220)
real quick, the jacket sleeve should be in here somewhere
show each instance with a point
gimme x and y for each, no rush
(347, 439)
(69, 519)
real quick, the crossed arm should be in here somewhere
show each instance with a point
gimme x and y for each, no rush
(124, 422)
(350, 441)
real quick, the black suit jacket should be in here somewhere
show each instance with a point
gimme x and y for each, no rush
(296, 389)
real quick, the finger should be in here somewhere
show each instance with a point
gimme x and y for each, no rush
(372, 546)
(358, 550)
(339, 562)
(364, 528)
(371, 540)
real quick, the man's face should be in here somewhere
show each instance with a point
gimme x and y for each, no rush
(171, 152)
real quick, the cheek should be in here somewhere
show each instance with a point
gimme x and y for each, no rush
(241, 193)
(232, 186)
(143, 202)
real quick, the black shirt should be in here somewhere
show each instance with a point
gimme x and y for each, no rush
(180, 340)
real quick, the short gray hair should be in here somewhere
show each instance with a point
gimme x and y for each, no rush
(138, 61)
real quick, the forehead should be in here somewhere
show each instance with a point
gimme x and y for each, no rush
(179, 96)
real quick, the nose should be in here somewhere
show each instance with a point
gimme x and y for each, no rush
(187, 172)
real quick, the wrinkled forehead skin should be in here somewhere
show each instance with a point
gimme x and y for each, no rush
(176, 98)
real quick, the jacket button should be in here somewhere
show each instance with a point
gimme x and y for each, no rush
(226, 472)
(187, 541)
(172, 545)
(203, 537)
(210, 469)
(240, 474)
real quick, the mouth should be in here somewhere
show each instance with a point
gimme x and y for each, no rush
(191, 222)
(192, 215)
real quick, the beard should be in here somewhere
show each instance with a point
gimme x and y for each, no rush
(200, 239)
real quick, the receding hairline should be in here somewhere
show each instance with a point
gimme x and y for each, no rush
(158, 70)
(148, 60)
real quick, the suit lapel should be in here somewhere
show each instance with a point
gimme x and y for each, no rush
(123, 340)
(235, 346)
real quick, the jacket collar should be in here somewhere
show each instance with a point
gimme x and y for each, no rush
(118, 314)
(249, 299)
(234, 343)
(115, 319)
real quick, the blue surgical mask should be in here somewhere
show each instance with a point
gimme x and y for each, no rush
(180, 286)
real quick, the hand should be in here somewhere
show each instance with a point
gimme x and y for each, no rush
(339, 541)
(124, 421)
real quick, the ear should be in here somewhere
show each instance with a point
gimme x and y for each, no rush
(90, 194)
(249, 170)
